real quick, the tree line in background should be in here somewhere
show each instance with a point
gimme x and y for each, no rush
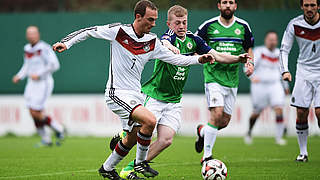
(125, 5)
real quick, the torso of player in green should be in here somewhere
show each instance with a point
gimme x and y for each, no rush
(234, 39)
(167, 80)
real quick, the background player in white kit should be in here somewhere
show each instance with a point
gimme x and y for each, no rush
(267, 88)
(131, 47)
(39, 64)
(306, 30)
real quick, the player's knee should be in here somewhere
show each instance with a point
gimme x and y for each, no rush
(302, 115)
(165, 142)
(150, 122)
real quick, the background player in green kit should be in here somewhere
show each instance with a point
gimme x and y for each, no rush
(164, 89)
(224, 33)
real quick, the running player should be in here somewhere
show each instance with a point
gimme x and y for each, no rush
(266, 85)
(164, 89)
(131, 47)
(39, 64)
(306, 30)
(230, 34)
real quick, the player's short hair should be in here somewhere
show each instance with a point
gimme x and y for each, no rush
(301, 2)
(178, 11)
(219, 1)
(141, 7)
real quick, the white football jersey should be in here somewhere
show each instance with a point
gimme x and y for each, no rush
(266, 64)
(129, 53)
(308, 39)
(39, 60)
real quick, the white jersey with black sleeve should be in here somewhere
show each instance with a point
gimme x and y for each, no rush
(308, 39)
(129, 53)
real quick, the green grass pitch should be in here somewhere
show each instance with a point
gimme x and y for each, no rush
(79, 158)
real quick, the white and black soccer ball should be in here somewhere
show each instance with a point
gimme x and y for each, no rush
(214, 170)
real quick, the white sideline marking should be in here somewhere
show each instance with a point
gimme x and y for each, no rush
(155, 165)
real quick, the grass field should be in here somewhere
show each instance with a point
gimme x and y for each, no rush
(79, 158)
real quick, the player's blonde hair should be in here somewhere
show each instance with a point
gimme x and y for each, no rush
(178, 11)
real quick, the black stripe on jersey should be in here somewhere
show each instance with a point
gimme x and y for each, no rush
(119, 101)
(74, 34)
(111, 69)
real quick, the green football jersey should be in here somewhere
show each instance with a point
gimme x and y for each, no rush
(234, 39)
(167, 80)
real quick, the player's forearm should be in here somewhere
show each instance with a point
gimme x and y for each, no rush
(223, 57)
(284, 61)
(22, 72)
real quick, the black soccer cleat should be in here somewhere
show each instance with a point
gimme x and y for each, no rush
(113, 175)
(200, 140)
(302, 158)
(205, 159)
(116, 138)
(145, 169)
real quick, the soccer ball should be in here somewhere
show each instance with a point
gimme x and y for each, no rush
(214, 170)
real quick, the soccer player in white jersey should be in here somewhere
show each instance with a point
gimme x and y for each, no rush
(306, 30)
(39, 64)
(267, 88)
(131, 47)
(165, 87)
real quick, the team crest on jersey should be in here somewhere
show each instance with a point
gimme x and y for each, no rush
(237, 31)
(166, 37)
(178, 45)
(216, 31)
(126, 41)
(146, 48)
(189, 45)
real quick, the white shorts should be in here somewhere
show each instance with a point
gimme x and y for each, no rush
(123, 103)
(36, 93)
(168, 114)
(267, 94)
(218, 95)
(304, 92)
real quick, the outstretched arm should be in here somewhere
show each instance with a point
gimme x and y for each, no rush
(229, 59)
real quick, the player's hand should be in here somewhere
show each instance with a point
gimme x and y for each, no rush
(206, 58)
(243, 58)
(34, 77)
(249, 68)
(254, 80)
(60, 47)
(286, 76)
(15, 79)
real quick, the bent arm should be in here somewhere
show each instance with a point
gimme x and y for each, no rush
(23, 71)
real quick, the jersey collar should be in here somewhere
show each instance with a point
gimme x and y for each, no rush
(234, 20)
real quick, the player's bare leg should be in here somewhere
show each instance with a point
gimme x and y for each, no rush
(37, 117)
(302, 132)
(252, 120)
(218, 120)
(317, 111)
(279, 126)
(165, 136)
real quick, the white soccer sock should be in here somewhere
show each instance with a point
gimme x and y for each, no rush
(210, 134)
(116, 156)
(302, 140)
(55, 125)
(143, 143)
(279, 130)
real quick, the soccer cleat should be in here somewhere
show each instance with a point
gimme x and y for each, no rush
(302, 158)
(145, 169)
(43, 144)
(113, 175)
(205, 159)
(281, 142)
(59, 138)
(248, 139)
(116, 138)
(129, 175)
(200, 140)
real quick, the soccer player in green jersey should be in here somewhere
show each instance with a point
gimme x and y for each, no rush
(229, 34)
(164, 89)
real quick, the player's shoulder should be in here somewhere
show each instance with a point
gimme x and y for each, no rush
(297, 20)
(208, 22)
(242, 22)
(259, 48)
